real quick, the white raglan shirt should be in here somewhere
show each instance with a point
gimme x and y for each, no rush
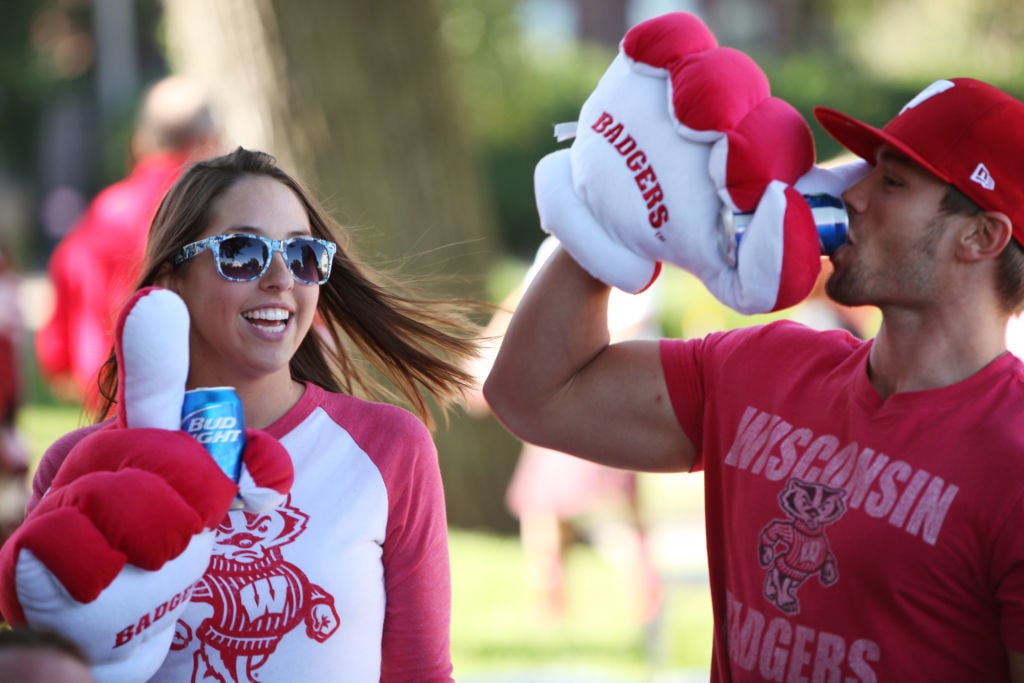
(347, 580)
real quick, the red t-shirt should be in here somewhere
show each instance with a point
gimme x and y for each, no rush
(852, 538)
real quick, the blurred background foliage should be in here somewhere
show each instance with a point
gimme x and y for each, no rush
(422, 127)
(520, 67)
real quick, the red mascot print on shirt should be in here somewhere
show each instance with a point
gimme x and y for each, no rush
(257, 597)
(793, 550)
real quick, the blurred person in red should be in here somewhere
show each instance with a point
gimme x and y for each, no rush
(93, 267)
(13, 454)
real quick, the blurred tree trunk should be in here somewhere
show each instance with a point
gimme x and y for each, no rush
(357, 97)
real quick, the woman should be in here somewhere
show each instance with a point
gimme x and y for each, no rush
(348, 579)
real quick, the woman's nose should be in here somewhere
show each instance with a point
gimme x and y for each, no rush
(278, 274)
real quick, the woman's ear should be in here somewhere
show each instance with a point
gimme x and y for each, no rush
(165, 277)
(990, 232)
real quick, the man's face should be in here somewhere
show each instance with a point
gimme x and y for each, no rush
(897, 246)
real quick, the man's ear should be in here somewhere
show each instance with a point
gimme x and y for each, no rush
(988, 235)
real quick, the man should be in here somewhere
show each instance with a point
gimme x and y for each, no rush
(93, 268)
(863, 499)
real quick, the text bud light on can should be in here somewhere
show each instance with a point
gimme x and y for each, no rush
(213, 416)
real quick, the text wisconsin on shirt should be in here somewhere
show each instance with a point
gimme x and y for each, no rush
(884, 487)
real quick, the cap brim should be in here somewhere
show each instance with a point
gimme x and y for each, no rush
(864, 140)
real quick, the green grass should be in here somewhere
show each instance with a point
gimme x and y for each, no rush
(40, 425)
(496, 628)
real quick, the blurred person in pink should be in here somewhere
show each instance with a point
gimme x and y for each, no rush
(558, 497)
(93, 267)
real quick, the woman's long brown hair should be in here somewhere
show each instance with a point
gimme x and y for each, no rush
(371, 329)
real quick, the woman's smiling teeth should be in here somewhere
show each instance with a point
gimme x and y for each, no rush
(268, 319)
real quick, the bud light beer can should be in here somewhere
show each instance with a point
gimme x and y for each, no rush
(213, 416)
(830, 220)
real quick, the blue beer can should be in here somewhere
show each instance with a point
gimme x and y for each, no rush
(830, 219)
(213, 416)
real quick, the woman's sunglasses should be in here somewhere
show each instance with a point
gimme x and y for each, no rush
(242, 258)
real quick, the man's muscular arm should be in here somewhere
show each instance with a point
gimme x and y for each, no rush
(558, 382)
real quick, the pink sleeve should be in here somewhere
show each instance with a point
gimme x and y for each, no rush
(417, 581)
(680, 361)
(699, 372)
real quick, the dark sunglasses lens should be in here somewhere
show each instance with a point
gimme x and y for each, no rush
(242, 257)
(308, 260)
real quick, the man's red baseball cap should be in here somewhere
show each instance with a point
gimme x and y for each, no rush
(967, 133)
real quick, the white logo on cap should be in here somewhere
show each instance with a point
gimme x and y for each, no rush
(932, 90)
(983, 177)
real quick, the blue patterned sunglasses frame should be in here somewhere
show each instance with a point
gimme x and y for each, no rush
(241, 257)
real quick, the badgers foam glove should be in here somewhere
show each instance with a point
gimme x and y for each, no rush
(681, 155)
(109, 555)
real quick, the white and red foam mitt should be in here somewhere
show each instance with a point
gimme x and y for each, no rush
(678, 133)
(109, 556)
